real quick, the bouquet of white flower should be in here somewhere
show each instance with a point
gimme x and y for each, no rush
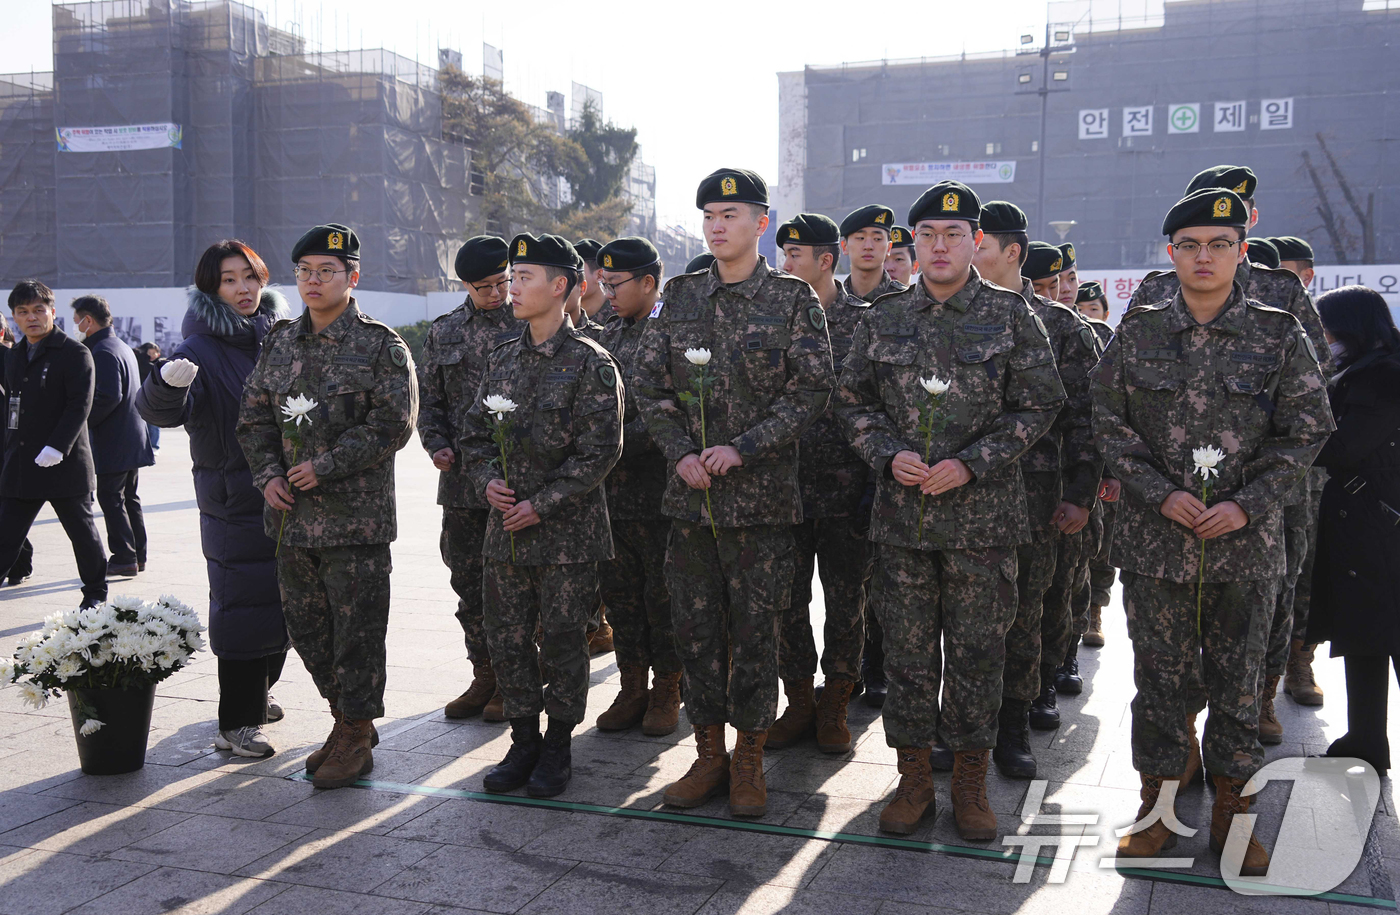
(125, 643)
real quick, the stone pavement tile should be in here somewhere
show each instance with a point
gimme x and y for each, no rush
(475, 738)
(592, 888)
(359, 810)
(249, 797)
(307, 900)
(739, 899)
(1177, 898)
(464, 773)
(189, 685)
(146, 787)
(833, 777)
(218, 845)
(475, 878)
(497, 827)
(183, 892)
(1061, 765)
(606, 755)
(850, 815)
(37, 771)
(895, 907)
(610, 840)
(92, 829)
(18, 808)
(750, 857)
(781, 805)
(49, 883)
(407, 702)
(354, 862)
(414, 732)
(13, 723)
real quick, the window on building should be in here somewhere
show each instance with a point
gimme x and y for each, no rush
(993, 149)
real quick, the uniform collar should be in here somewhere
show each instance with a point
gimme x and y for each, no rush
(337, 329)
(551, 346)
(1230, 321)
(1244, 271)
(885, 286)
(494, 315)
(748, 288)
(960, 301)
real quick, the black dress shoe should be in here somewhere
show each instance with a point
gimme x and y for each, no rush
(553, 771)
(514, 771)
(1012, 753)
(122, 569)
(17, 577)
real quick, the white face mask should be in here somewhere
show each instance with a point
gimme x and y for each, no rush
(1338, 348)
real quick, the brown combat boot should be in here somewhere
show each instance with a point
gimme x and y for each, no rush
(482, 688)
(630, 705)
(707, 776)
(971, 809)
(600, 640)
(1270, 728)
(1093, 636)
(748, 792)
(1228, 802)
(1155, 839)
(351, 758)
(313, 762)
(798, 718)
(914, 797)
(832, 734)
(1298, 679)
(1194, 764)
(495, 709)
(664, 707)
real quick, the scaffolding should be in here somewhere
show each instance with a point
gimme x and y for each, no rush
(26, 176)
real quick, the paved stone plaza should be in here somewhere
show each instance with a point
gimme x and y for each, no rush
(199, 831)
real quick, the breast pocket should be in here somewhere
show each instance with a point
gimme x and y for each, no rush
(553, 427)
(1153, 389)
(984, 360)
(345, 400)
(1247, 392)
(763, 359)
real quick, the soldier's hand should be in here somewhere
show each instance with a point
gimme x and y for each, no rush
(279, 495)
(1110, 490)
(520, 517)
(303, 476)
(499, 497)
(1220, 519)
(693, 472)
(1070, 518)
(443, 458)
(1182, 507)
(945, 475)
(908, 469)
(720, 459)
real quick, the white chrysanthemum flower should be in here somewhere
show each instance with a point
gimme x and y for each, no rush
(500, 406)
(298, 408)
(90, 727)
(7, 670)
(1206, 459)
(697, 356)
(935, 385)
(68, 668)
(33, 694)
(126, 602)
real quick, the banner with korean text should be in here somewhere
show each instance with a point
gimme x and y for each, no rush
(927, 173)
(122, 138)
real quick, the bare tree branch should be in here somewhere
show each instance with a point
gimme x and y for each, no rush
(1362, 216)
(1324, 209)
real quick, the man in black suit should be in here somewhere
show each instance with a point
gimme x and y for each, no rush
(120, 447)
(49, 385)
(24, 565)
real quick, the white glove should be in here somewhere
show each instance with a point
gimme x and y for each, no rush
(179, 373)
(49, 457)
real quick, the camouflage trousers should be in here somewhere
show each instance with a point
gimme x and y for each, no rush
(336, 603)
(1035, 568)
(551, 603)
(633, 586)
(1302, 594)
(945, 615)
(1296, 522)
(825, 544)
(1227, 654)
(1101, 571)
(1071, 573)
(727, 601)
(461, 541)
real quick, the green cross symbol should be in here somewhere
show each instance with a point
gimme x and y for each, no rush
(1184, 118)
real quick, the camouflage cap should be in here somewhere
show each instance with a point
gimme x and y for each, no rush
(901, 237)
(1043, 261)
(1207, 207)
(867, 217)
(732, 185)
(333, 240)
(999, 216)
(947, 200)
(1237, 178)
(480, 257)
(809, 229)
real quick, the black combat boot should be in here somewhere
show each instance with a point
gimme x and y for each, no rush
(1067, 679)
(555, 768)
(1012, 753)
(1044, 715)
(524, 754)
(940, 758)
(872, 674)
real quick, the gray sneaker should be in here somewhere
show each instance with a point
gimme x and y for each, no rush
(274, 711)
(248, 741)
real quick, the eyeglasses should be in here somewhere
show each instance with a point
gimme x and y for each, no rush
(611, 288)
(486, 288)
(1218, 248)
(324, 274)
(952, 238)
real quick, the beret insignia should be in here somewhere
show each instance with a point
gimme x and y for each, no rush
(520, 249)
(950, 202)
(880, 219)
(335, 242)
(1241, 187)
(896, 234)
(1070, 251)
(607, 261)
(1223, 206)
(816, 317)
(728, 187)
(793, 233)
(1057, 265)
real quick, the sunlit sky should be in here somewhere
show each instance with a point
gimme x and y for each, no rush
(698, 81)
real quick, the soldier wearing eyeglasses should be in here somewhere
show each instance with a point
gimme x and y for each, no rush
(1209, 368)
(329, 485)
(454, 357)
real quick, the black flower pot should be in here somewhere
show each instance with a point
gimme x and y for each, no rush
(120, 744)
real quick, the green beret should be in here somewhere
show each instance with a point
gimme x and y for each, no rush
(1262, 252)
(867, 217)
(1207, 207)
(1088, 292)
(1067, 251)
(998, 217)
(480, 257)
(901, 237)
(630, 253)
(588, 248)
(808, 229)
(700, 262)
(334, 240)
(947, 200)
(732, 185)
(1292, 248)
(546, 250)
(1237, 178)
(1043, 261)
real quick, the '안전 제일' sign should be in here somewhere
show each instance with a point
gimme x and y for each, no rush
(121, 138)
(934, 172)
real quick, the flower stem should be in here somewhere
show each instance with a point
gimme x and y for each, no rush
(505, 478)
(928, 452)
(283, 526)
(709, 508)
(1201, 573)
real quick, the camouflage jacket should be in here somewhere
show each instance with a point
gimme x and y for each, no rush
(604, 314)
(770, 377)
(636, 484)
(888, 284)
(454, 359)
(1247, 383)
(1004, 394)
(563, 438)
(360, 374)
(831, 476)
(1066, 454)
(589, 328)
(1104, 331)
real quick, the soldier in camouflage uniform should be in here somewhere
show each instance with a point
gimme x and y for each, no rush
(633, 584)
(552, 399)
(1093, 306)
(1208, 368)
(582, 321)
(832, 479)
(867, 248)
(950, 508)
(454, 359)
(594, 303)
(1279, 289)
(901, 263)
(732, 491)
(1069, 275)
(329, 484)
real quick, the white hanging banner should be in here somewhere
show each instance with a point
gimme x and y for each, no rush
(121, 138)
(934, 172)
